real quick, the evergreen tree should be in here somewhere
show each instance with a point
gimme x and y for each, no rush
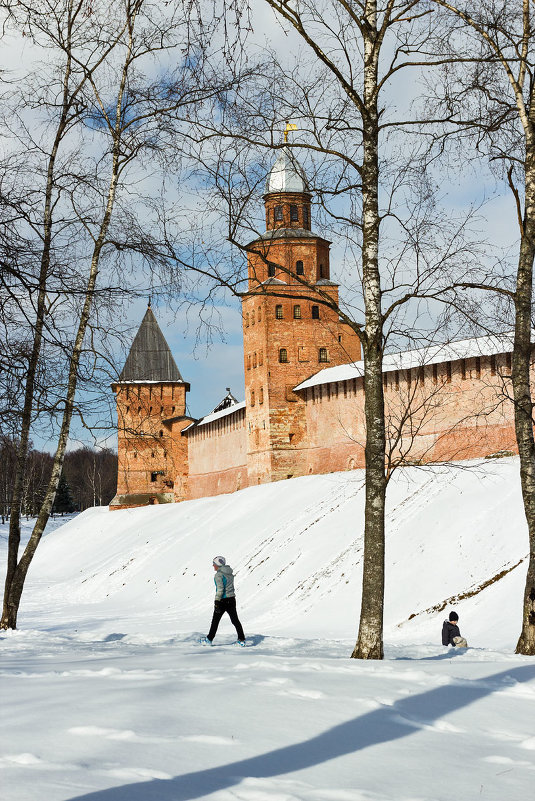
(63, 501)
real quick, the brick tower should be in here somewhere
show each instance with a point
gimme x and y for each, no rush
(151, 411)
(288, 333)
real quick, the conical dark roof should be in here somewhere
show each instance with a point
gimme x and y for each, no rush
(150, 358)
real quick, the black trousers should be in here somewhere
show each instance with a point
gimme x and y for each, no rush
(227, 605)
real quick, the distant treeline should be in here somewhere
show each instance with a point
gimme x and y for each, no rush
(89, 478)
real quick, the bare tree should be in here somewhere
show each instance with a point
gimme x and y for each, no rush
(488, 93)
(85, 128)
(372, 186)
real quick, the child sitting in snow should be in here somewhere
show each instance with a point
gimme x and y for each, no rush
(451, 634)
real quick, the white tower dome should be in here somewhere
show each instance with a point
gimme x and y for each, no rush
(286, 175)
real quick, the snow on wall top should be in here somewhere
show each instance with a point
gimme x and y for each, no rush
(210, 418)
(419, 357)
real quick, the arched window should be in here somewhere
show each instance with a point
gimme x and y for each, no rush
(306, 217)
(271, 270)
(252, 317)
(278, 311)
(294, 213)
(278, 213)
(261, 395)
(299, 270)
(315, 312)
(283, 356)
(252, 397)
(323, 355)
(297, 312)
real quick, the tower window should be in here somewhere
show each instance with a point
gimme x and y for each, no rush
(323, 355)
(297, 312)
(271, 270)
(306, 217)
(249, 361)
(278, 311)
(254, 359)
(247, 320)
(252, 397)
(294, 213)
(299, 268)
(261, 396)
(315, 312)
(322, 271)
(278, 213)
(161, 433)
(283, 356)
(259, 318)
(153, 476)
(252, 317)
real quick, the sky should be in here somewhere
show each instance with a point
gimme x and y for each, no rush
(212, 366)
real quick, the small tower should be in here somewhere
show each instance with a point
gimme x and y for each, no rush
(288, 333)
(151, 411)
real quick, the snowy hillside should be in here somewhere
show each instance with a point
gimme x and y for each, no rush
(108, 696)
(296, 549)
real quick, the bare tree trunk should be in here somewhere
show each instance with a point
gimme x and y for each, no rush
(522, 394)
(9, 613)
(370, 637)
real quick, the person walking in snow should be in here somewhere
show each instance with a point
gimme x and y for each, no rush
(451, 634)
(225, 601)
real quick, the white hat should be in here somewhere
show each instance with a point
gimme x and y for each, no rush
(220, 561)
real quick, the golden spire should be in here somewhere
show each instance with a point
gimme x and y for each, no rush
(290, 126)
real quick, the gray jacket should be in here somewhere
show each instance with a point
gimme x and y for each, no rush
(224, 583)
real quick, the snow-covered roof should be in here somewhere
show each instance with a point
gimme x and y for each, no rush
(210, 418)
(419, 357)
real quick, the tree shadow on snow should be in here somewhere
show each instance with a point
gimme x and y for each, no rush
(383, 725)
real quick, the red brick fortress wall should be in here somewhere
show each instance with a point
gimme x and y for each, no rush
(217, 454)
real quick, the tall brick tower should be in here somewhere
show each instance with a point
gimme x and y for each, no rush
(288, 333)
(151, 411)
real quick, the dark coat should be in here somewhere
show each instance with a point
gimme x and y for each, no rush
(449, 631)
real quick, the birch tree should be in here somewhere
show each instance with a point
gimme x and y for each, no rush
(84, 126)
(488, 98)
(352, 55)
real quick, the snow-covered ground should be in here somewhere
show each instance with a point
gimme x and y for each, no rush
(107, 695)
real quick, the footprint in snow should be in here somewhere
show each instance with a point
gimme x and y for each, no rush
(313, 695)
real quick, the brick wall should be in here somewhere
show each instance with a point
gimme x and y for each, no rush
(445, 412)
(217, 455)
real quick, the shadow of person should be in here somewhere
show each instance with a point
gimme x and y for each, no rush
(383, 725)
